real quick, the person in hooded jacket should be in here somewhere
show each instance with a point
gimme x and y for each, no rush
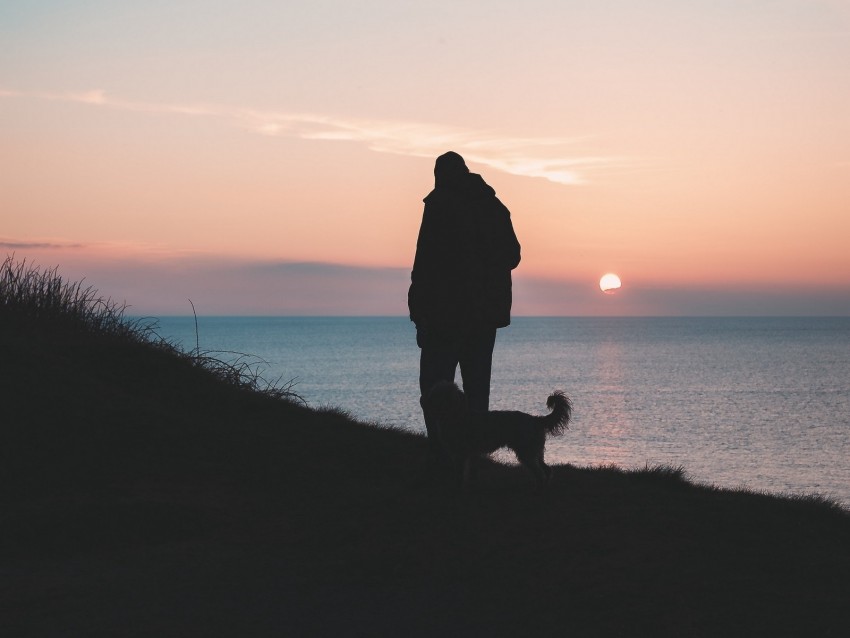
(460, 291)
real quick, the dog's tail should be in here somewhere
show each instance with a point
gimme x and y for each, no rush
(562, 412)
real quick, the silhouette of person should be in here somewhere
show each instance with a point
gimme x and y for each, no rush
(460, 291)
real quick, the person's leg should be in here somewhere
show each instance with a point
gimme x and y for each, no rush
(438, 361)
(476, 362)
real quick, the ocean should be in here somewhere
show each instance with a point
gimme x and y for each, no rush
(760, 403)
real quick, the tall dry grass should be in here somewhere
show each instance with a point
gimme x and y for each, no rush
(30, 295)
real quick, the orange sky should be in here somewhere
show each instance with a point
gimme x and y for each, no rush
(272, 159)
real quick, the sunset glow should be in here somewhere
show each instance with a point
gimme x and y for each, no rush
(271, 158)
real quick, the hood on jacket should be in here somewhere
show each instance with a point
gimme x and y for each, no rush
(449, 170)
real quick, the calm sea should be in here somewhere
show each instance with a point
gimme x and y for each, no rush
(762, 403)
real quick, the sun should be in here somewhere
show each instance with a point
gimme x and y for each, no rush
(610, 283)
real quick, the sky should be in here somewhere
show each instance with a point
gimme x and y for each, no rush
(266, 157)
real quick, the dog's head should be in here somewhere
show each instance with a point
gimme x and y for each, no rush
(445, 401)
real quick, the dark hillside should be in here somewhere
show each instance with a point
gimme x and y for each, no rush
(147, 491)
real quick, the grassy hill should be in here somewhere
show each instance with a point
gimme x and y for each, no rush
(149, 492)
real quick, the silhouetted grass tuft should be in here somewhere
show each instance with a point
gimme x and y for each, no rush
(28, 293)
(31, 295)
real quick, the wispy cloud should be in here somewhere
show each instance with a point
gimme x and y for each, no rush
(553, 158)
(556, 159)
(33, 245)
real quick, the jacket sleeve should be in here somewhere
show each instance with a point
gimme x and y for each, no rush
(420, 279)
(507, 244)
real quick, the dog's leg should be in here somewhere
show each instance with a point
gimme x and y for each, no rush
(540, 474)
(468, 471)
(534, 462)
(547, 472)
(473, 465)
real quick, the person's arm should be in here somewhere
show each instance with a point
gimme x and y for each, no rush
(420, 277)
(508, 244)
